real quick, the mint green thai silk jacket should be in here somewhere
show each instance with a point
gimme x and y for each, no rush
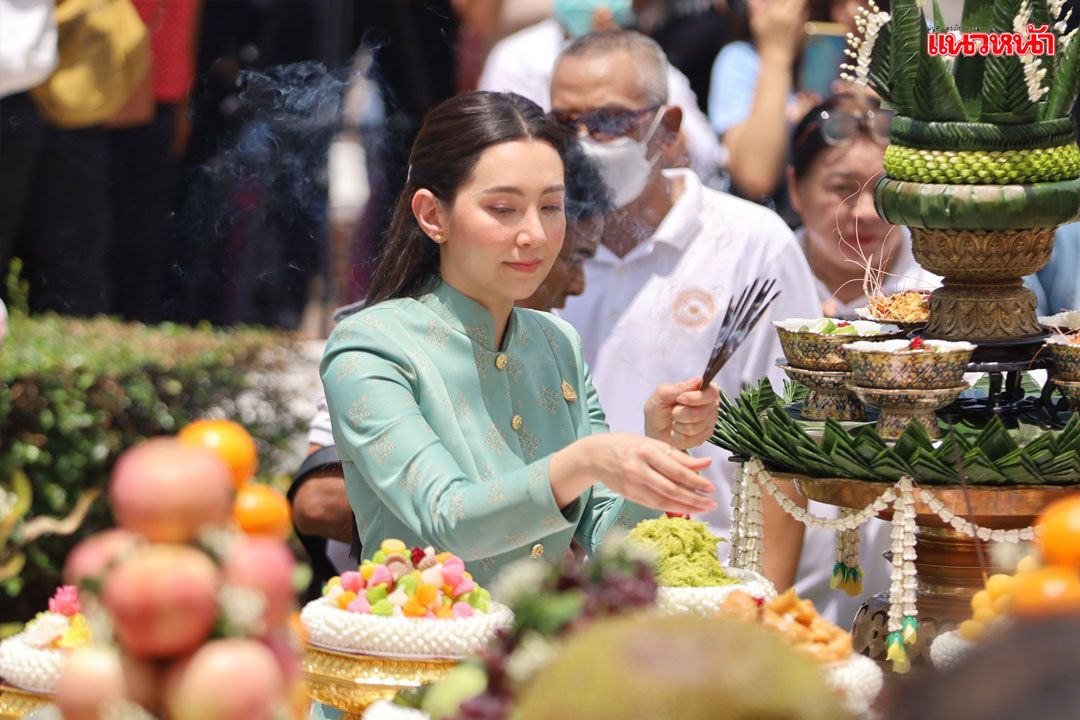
(445, 439)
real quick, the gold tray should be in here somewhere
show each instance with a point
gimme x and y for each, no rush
(16, 703)
(353, 682)
(1005, 506)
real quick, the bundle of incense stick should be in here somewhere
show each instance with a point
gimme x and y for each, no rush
(741, 317)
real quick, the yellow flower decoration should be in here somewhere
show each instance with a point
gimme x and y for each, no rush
(77, 634)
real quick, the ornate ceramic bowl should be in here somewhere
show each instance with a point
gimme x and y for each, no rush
(827, 396)
(899, 407)
(1071, 390)
(893, 365)
(807, 348)
(353, 682)
(1066, 358)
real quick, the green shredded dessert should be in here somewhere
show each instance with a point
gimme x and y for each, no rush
(685, 552)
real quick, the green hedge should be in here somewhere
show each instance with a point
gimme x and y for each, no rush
(75, 393)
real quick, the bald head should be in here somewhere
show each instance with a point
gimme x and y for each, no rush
(640, 55)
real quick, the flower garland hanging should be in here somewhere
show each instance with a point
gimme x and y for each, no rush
(747, 543)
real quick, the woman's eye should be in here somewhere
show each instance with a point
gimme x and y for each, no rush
(502, 210)
(552, 208)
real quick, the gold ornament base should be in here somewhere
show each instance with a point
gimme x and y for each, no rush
(982, 312)
(351, 683)
(16, 703)
(983, 298)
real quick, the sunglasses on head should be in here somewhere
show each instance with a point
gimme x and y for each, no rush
(841, 126)
(603, 123)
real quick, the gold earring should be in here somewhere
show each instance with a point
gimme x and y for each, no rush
(439, 238)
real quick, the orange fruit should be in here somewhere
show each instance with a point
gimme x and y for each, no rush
(1058, 532)
(229, 440)
(1050, 591)
(262, 510)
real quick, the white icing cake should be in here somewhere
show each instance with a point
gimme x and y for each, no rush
(858, 680)
(28, 667)
(707, 600)
(948, 649)
(332, 628)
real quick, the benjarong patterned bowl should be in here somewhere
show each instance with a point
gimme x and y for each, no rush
(811, 350)
(1071, 390)
(1066, 357)
(897, 408)
(827, 396)
(893, 365)
(353, 682)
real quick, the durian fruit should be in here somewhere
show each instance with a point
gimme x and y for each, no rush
(683, 667)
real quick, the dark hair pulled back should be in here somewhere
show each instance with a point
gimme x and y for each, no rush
(450, 142)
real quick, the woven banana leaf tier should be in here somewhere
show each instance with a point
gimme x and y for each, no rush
(351, 683)
(983, 202)
(16, 703)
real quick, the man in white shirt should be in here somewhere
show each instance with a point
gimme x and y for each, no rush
(673, 255)
(523, 63)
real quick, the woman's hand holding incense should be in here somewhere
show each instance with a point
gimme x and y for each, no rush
(681, 414)
(643, 470)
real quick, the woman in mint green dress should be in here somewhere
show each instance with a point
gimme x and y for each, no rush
(468, 424)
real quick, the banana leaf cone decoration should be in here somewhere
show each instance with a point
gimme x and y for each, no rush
(847, 578)
(983, 162)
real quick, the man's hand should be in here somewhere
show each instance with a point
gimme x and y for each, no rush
(321, 507)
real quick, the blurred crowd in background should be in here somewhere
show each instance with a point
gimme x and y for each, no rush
(242, 157)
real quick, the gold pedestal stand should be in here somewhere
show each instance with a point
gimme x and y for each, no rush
(16, 703)
(949, 566)
(351, 683)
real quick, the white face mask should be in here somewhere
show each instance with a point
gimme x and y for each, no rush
(624, 163)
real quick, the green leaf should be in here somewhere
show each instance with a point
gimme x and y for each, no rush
(939, 18)
(929, 469)
(1004, 91)
(969, 69)
(880, 73)
(980, 469)
(1066, 84)
(935, 96)
(995, 440)
(904, 57)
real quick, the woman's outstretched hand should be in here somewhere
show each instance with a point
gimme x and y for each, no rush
(643, 470)
(682, 414)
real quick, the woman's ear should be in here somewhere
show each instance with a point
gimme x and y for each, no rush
(427, 210)
(793, 191)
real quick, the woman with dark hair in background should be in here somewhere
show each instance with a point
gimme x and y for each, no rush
(837, 154)
(466, 423)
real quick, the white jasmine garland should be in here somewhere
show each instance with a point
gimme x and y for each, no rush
(1034, 71)
(869, 22)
